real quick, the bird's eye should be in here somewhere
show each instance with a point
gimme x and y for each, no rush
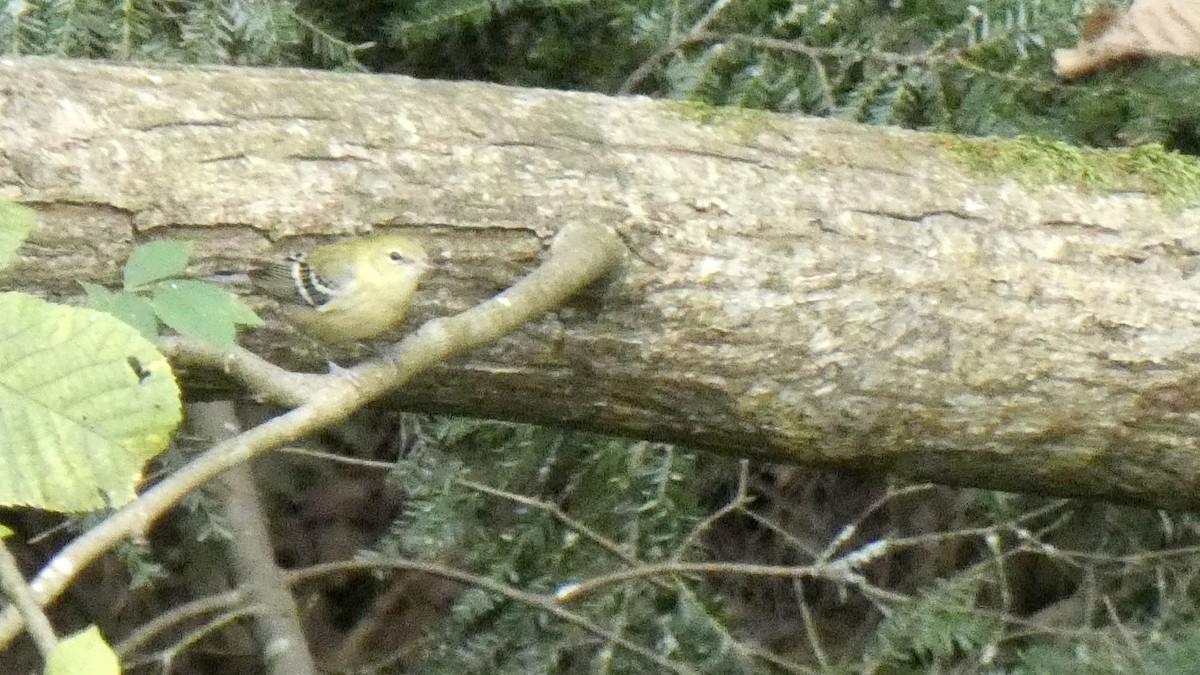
(397, 256)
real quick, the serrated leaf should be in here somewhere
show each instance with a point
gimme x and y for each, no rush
(16, 222)
(156, 260)
(84, 653)
(128, 307)
(201, 310)
(84, 402)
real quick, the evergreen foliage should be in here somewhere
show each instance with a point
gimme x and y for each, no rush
(970, 68)
(939, 624)
(637, 496)
(235, 32)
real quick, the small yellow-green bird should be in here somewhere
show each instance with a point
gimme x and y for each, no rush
(350, 290)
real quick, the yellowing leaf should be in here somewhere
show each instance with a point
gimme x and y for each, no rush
(84, 653)
(84, 402)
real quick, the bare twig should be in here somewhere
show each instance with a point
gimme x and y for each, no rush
(12, 582)
(174, 616)
(169, 654)
(738, 502)
(834, 572)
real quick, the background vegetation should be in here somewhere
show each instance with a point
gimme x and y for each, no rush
(745, 567)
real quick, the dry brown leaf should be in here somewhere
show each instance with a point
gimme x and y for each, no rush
(1149, 29)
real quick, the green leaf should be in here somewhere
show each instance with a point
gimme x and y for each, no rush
(201, 310)
(16, 222)
(154, 261)
(84, 402)
(84, 653)
(128, 307)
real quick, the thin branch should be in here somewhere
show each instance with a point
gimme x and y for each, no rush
(798, 47)
(930, 58)
(840, 573)
(738, 502)
(701, 36)
(710, 16)
(677, 42)
(1012, 525)
(12, 582)
(554, 511)
(341, 459)
(810, 626)
(171, 653)
(849, 530)
(177, 615)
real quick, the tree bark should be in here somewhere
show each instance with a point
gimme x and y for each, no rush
(796, 289)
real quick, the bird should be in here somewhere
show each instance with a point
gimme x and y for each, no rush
(348, 291)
